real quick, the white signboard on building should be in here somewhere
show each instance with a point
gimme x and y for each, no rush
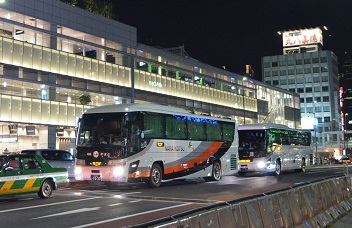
(302, 37)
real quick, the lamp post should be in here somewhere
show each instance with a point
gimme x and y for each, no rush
(344, 133)
(243, 94)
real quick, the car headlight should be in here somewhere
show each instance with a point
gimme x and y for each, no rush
(261, 164)
(118, 171)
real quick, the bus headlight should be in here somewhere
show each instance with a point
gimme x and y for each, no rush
(118, 171)
(261, 164)
(78, 170)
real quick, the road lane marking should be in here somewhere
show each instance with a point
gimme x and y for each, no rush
(116, 204)
(46, 205)
(128, 216)
(69, 212)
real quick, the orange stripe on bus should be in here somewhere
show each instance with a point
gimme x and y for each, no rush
(211, 150)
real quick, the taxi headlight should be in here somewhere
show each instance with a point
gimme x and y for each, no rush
(118, 171)
(261, 164)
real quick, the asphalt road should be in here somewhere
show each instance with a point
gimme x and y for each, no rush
(130, 204)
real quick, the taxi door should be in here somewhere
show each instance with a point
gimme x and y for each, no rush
(16, 177)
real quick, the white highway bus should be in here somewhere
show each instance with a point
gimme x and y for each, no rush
(273, 148)
(150, 143)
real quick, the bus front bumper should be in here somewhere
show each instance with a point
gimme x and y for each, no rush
(101, 173)
(257, 166)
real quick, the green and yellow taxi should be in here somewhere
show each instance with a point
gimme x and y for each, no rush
(26, 173)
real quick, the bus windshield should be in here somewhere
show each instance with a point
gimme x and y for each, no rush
(106, 130)
(252, 144)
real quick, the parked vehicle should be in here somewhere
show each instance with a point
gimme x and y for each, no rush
(344, 159)
(29, 173)
(56, 158)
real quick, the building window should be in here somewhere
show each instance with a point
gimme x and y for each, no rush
(310, 109)
(324, 69)
(316, 79)
(267, 73)
(291, 71)
(300, 90)
(292, 90)
(315, 60)
(299, 80)
(325, 88)
(307, 61)
(275, 82)
(268, 82)
(326, 99)
(319, 120)
(318, 99)
(323, 59)
(308, 79)
(275, 73)
(324, 79)
(283, 82)
(303, 109)
(298, 61)
(307, 70)
(290, 62)
(315, 69)
(299, 71)
(266, 64)
(301, 99)
(308, 89)
(317, 89)
(318, 109)
(326, 108)
(309, 99)
(282, 63)
(274, 64)
(291, 81)
(326, 118)
(282, 72)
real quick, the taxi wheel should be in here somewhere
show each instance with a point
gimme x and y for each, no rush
(46, 189)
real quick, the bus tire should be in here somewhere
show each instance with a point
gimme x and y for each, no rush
(46, 189)
(278, 168)
(155, 177)
(216, 171)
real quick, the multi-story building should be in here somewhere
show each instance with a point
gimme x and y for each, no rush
(52, 53)
(346, 99)
(306, 69)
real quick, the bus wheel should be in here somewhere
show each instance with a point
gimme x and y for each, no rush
(278, 168)
(46, 189)
(216, 172)
(155, 177)
(303, 166)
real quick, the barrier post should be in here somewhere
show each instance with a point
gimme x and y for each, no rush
(345, 168)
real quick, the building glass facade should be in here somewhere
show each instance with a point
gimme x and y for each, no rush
(52, 53)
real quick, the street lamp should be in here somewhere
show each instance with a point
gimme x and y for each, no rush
(344, 134)
(243, 105)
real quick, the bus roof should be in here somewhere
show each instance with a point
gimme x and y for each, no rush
(156, 108)
(259, 126)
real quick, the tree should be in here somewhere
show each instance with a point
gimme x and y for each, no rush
(85, 99)
(104, 8)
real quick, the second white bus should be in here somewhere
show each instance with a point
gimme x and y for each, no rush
(273, 148)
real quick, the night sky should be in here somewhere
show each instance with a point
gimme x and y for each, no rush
(234, 33)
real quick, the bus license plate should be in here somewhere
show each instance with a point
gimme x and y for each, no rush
(95, 177)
